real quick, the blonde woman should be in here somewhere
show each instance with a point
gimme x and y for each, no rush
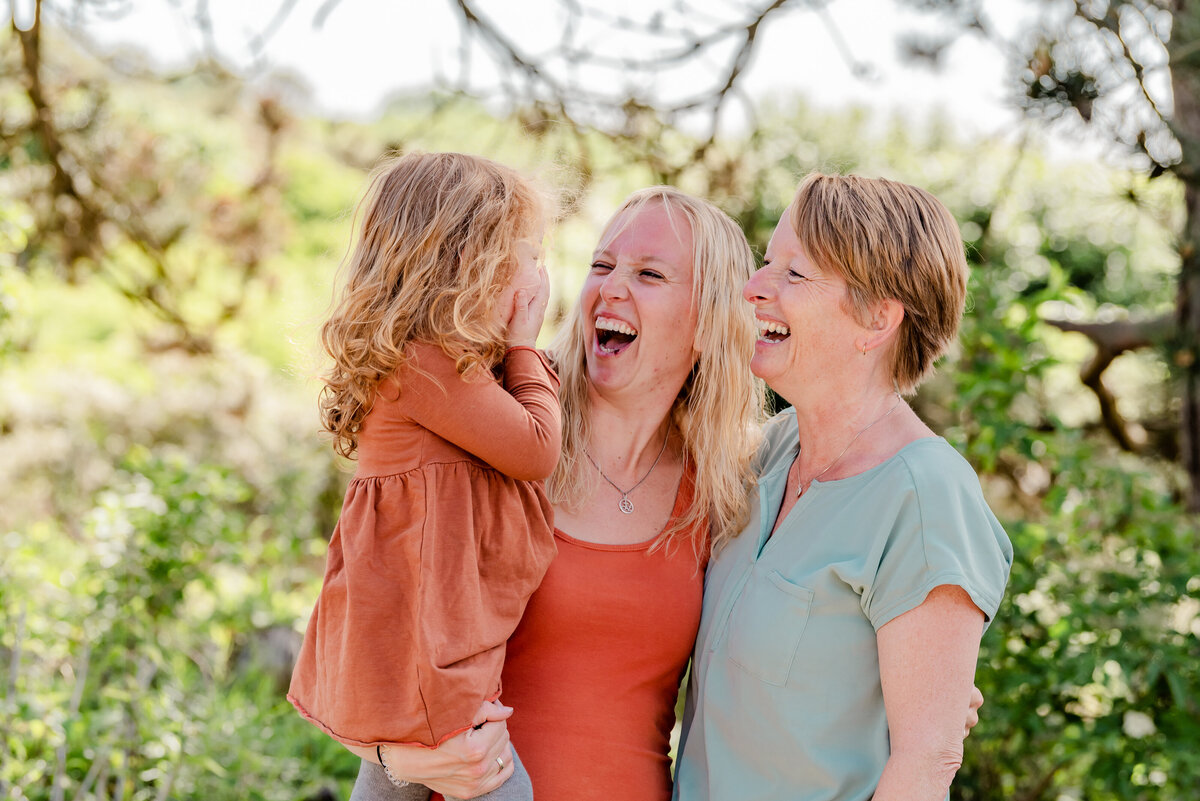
(660, 422)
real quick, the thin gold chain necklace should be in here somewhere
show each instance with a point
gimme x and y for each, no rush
(880, 418)
(626, 505)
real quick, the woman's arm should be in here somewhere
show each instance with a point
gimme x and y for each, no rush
(464, 766)
(927, 667)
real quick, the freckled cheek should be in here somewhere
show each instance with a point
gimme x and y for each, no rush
(527, 280)
(504, 304)
(589, 293)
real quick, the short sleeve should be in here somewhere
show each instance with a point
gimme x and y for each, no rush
(944, 533)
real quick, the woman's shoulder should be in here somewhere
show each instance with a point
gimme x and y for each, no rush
(946, 488)
(932, 463)
(928, 468)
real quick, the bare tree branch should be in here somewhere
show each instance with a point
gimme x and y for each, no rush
(203, 22)
(327, 8)
(1111, 340)
(676, 37)
(85, 204)
(859, 69)
(259, 42)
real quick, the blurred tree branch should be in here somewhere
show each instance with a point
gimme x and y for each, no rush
(1111, 340)
(582, 83)
(558, 85)
(96, 188)
(673, 39)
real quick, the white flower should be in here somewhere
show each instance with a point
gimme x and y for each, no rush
(1138, 724)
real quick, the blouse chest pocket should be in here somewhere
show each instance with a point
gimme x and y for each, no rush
(766, 626)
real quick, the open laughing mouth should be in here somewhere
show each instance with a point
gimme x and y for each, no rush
(613, 336)
(771, 331)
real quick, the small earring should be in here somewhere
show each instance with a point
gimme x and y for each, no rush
(863, 348)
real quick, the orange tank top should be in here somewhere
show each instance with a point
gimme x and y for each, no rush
(593, 669)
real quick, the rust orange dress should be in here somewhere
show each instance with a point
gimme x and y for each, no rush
(593, 670)
(445, 532)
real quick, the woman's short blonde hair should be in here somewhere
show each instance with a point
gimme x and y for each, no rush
(889, 240)
(436, 244)
(719, 408)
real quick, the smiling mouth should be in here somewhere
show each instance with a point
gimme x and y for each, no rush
(771, 331)
(613, 336)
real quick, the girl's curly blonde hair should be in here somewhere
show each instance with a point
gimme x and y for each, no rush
(436, 246)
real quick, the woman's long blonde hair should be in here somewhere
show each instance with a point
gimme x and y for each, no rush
(436, 245)
(720, 406)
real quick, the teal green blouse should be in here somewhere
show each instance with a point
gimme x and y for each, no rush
(785, 699)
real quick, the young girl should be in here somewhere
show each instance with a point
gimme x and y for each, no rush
(445, 530)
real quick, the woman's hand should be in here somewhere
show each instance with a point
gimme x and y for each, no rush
(465, 766)
(529, 309)
(973, 711)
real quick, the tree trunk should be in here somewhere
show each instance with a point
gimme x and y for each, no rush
(1185, 85)
(1188, 345)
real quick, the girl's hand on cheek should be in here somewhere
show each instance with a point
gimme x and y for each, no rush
(528, 312)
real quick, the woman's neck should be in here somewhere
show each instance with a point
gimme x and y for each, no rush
(828, 423)
(626, 437)
(632, 455)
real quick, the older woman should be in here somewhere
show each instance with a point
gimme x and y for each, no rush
(841, 628)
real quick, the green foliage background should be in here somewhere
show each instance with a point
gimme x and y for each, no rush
(164, 512)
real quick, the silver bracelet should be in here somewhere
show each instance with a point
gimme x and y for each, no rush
(388, 771)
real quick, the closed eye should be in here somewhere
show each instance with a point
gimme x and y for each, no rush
(601, 267)
(651, 274)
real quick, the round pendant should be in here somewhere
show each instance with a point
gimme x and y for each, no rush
(626, 506)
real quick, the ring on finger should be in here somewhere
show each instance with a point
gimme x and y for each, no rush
(500, 762)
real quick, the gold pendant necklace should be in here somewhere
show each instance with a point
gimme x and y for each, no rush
(626, 505)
